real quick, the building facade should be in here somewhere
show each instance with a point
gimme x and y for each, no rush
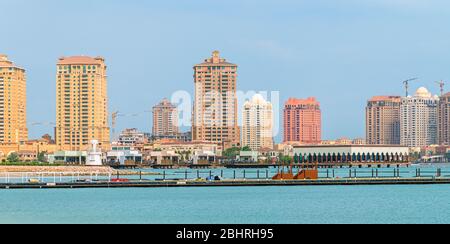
(81, 103)
(13, 102)
(383, 120)
(165, 119)
(215, 117)
(257, 124)
(302, 121)
(352, 154)
(131, 137)
(419, 119)
(444, 120)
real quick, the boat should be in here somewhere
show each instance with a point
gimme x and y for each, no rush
(34, 181)
(120, 180)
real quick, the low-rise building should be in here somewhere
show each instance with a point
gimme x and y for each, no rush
(351, 153)
(164, 157)
(131, 137)
(29, 150)
(185, 147)
(123, 155)
(248, 156)
(206, 157)
(68, 157)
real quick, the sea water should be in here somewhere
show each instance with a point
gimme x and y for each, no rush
(229, 205)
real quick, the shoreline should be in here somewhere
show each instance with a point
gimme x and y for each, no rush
(14, 171)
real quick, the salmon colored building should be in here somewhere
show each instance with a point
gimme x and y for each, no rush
(302, 121)
(383, 120)
(215, 115)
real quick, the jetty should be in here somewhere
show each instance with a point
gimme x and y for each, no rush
(228, 183)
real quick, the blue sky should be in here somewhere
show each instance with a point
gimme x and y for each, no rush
(342, 52)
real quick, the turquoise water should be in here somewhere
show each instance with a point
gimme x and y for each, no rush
(303, 204)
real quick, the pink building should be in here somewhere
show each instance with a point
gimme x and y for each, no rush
(302, 121)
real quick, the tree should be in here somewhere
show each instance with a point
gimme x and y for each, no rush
(13, 158)
(286, 160)
(232, 152)
(246, 149)
(296, 159)
(41, 157)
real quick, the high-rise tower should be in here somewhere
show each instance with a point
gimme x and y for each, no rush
(302, 121)
(215, 117)
(81, 103)
(419, 119)
(257, 124)
(13, 102)
(383, 120)
(165, 119)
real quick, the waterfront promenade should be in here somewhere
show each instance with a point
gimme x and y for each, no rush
(105, 177)
(228, 183)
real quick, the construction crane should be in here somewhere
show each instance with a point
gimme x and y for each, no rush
(116, 114)
(406, 83)
(442, 86)
(43, 123)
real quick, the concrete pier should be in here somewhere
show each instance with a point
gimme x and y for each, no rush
(231, 183)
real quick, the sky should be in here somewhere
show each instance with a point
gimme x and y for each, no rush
(342, 52)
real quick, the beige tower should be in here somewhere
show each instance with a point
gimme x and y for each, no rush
(257, 124)
(215, 117)
(383, 120)
(82, 101)
(444, 120)
(13, 102)
(419, 119)
(165, 119)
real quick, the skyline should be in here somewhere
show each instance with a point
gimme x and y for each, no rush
(376, 58)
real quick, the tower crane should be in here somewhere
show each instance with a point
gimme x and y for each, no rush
(442, 86)
(406, 83)
(115, 115)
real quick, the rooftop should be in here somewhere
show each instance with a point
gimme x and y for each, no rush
(82, 60)
(385, 98)
(215, 60)
(6, 63)
(308, 101)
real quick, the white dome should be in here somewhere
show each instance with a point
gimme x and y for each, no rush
(423, 92)
(258, 99)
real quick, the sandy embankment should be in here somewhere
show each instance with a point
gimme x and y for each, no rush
(67, 170)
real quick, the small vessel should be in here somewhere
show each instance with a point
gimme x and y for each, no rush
(34, 181)
(120, 180)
